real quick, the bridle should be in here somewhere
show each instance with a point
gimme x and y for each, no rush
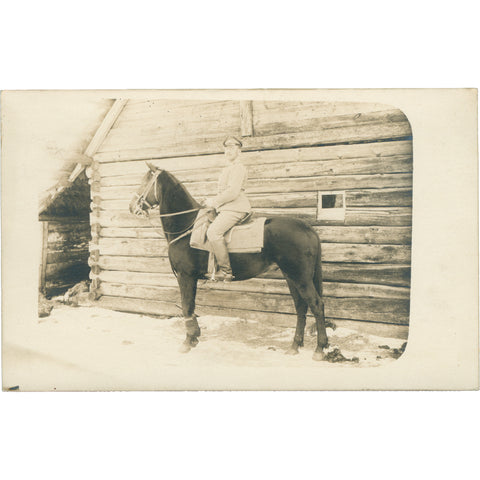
(139, 210)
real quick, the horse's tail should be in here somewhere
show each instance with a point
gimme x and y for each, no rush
(317, 274)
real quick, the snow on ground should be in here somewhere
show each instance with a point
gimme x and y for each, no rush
(101, 344)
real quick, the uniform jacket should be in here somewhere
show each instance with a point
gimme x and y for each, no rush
(231, 189)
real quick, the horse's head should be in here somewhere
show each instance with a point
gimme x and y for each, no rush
(147, 196)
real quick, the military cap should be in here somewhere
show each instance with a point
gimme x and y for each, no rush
(232, 141)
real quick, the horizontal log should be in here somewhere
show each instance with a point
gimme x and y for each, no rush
(133, 247)
(386, 197)
(269, 123)
(335, 234)
(325, 183)
(169, 123)
(355, 198)
(164, 111)
(293, 170)
(331, 252)
(165, 309)
(367, 165)
(266, 286)
(286, 185)
(135, 305)
(135, 264)
(352, 253)
(361, 133)
(382, 150)
(284, 111)
(388, 216)
(376, 216)
(375, 235)
(131, 232)
(367, 309)
(62, 257)
(380, 274)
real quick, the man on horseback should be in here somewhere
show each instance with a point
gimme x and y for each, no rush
(231, 204)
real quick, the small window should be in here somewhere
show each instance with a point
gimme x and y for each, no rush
(331, 206)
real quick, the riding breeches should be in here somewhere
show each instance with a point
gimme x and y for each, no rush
(224, 221)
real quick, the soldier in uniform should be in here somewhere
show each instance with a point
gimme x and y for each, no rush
(230, 203)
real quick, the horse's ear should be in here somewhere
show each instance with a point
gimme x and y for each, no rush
(152, 167)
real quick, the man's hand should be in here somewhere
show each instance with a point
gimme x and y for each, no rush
(206, 203)
(209, 203)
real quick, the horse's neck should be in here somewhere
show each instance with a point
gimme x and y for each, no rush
(175, 199)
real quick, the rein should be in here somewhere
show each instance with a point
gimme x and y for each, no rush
(141, 200)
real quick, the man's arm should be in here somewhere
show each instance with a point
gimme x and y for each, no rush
(234, 187)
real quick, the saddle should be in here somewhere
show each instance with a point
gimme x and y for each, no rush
(245, 237)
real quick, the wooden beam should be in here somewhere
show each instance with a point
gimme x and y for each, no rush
(91, 149)
(246, 118)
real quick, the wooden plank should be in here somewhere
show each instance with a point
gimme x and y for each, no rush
(282, 185)
(386, 197)
(331, 252)
(383, 150)
(367, 309)
(168, 112)
(135, 264)
(266, 286)
(360, 133)
(352, 253)
(372, 165)
(379, 274)
(360, 234)
(270, 123)
(131, 232)
(192, 124)
(165, 309)
(327, 234)
(289, 112)
(133, 247)
(91, 149)
(246, 118)
(105, 127)
(376, 216)
(134, 305)
(389, 216)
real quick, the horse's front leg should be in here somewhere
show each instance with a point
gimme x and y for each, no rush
(188, 290)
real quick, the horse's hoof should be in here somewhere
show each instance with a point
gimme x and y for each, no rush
(319, 356)
(185, 348)
(292, 351)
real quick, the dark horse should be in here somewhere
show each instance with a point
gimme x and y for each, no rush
(289, 242)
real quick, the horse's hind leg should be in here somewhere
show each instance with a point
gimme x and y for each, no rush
(315, 302)
(301, 308)
(188, 290)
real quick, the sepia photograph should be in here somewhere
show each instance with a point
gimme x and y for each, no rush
(208, 230)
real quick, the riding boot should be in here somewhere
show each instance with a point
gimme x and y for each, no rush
(221, 254)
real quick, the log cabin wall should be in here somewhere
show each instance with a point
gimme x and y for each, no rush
(65, 253)
(301, 157)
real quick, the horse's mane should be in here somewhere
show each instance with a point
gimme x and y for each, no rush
(173, 189)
